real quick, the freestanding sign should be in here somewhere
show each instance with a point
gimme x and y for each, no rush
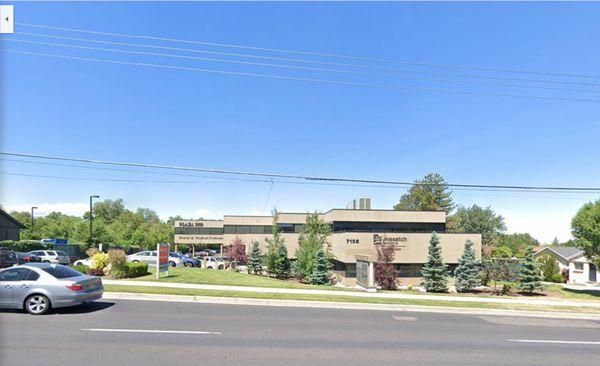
(162, 259)
(365, 273)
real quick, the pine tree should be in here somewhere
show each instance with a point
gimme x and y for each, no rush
(320, 274)
(255, 262)
(468, 269)
(530, 278)
(434, 272)
(284, 265)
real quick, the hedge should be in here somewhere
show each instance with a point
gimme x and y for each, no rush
(136, 269)
(81, 268)
(22, 245)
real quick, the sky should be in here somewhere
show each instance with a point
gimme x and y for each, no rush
(122, 112)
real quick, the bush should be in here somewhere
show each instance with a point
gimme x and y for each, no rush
(136, 269)
(565, 274)
(558, 278)
(550, 268)
(22, 245)
(116, 257)
(95, 272)
(507, 289)
(502, 252)
(99, 260)
(81, 268)
(91, 251)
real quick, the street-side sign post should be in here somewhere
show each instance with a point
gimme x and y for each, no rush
(162, 259)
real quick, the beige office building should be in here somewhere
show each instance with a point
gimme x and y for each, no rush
(354, 232)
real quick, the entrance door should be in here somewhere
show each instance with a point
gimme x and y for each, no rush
(592, 273)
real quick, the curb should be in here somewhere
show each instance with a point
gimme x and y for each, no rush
(343, 305)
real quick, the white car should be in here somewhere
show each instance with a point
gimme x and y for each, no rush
(52, 256)
(86, 262)
(212, 263)
(149, 256)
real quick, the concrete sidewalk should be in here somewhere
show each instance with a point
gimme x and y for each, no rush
(387, 295)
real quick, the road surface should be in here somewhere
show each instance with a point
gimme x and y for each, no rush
(125, 332)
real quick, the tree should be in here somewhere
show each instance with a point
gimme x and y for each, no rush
(255, 262)
(238, 251)
(517, 242)
(313, 237)
(429, 194)
(468, 270)
(434, 272)
(320, 274)
(385, 272)
(272, 259)
(529, 276)
(108, 210)
(585, 228)
(550, 268)
(477, 219)
(502, 252)
(284, 267)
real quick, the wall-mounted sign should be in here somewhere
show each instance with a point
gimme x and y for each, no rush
(395, 240)
(189, 224)
(199, 239)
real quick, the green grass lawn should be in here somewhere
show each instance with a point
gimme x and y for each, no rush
(341, 298)
(228, 278)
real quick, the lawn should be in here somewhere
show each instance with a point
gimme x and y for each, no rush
(229, 278)
(338, 298)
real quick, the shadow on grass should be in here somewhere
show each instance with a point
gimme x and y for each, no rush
(595, 293)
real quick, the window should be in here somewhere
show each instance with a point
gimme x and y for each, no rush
(32, 276)
(14, 274)
(388, 227)
(409, 270)
(578, 266)
(60, 271)
(61, 253)
(351, 270)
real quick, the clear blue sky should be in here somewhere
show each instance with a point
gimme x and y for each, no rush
(120, 112)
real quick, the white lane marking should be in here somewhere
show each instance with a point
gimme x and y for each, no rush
(551, 341)
(148, 331)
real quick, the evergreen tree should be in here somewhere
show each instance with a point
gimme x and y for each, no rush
(284, 265)
(468, 269)
(320, 274)
(434, 272)
(255, 262)
(272, 259)
(313, 237)
(530, 278)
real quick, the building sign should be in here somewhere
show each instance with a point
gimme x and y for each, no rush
(199, 239)
(398, 241)
(362, 272)
(189, 224)
(162, 259)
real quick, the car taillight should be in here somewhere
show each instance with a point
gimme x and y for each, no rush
(27, 259)
(75, 287)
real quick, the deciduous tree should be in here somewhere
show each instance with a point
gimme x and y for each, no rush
(386, 274)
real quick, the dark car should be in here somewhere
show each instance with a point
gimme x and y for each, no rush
(8, 257)
(28, 258)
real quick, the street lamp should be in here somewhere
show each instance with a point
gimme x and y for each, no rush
(32, 208)
(92, 218)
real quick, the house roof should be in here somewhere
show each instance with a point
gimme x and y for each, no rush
(567, 253)
(10, 218)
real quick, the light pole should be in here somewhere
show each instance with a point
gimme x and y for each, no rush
(32, 208)
(92, 219)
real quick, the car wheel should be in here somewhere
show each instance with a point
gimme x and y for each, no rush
(135, 261)
(37, 304)
(220, 267)
(46, 261)
(172, 264)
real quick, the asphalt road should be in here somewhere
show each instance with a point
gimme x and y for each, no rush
(122, 333)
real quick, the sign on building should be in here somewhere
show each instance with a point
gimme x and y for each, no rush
(162, 259)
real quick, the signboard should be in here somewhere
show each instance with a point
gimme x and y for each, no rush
(162, 259)
(198, 232)
(398, 241)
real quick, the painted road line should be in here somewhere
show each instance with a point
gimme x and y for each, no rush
(552, 341)
(148, 331)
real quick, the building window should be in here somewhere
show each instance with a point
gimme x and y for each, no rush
(198, 231)
(578, 266)
(351, 270)
(387, 227)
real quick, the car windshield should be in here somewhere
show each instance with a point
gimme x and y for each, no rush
(61, 271)
(61, 253)
(51, 252)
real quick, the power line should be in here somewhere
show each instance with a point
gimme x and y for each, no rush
(296, 67)
(296, 78)
(292, 176)
(310, 53)
(314, 62)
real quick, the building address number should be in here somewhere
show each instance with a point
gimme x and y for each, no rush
(352, 241)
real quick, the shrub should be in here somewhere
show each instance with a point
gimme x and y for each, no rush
(22, 245)
(81, 268)
(136, 269)
(385, 272)
(99, 260)
(502, 252)
(558, 278)
(507, 289)
(550, 268)
(95, 272)
(116, 257)
(91, 251)
(565, 274)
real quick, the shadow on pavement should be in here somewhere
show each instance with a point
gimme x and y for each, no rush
(595, 293)
(84, 308)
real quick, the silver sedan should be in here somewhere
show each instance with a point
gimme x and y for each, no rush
(38, 287)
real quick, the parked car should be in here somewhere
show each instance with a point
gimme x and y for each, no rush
(27, 258)
(84, 262)
(201, 253)
(149, 256)
(8, 257)
(38, 287)
(187, 261)
(212, 263)
(52, 256)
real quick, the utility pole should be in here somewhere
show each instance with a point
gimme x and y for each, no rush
(92, 219)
